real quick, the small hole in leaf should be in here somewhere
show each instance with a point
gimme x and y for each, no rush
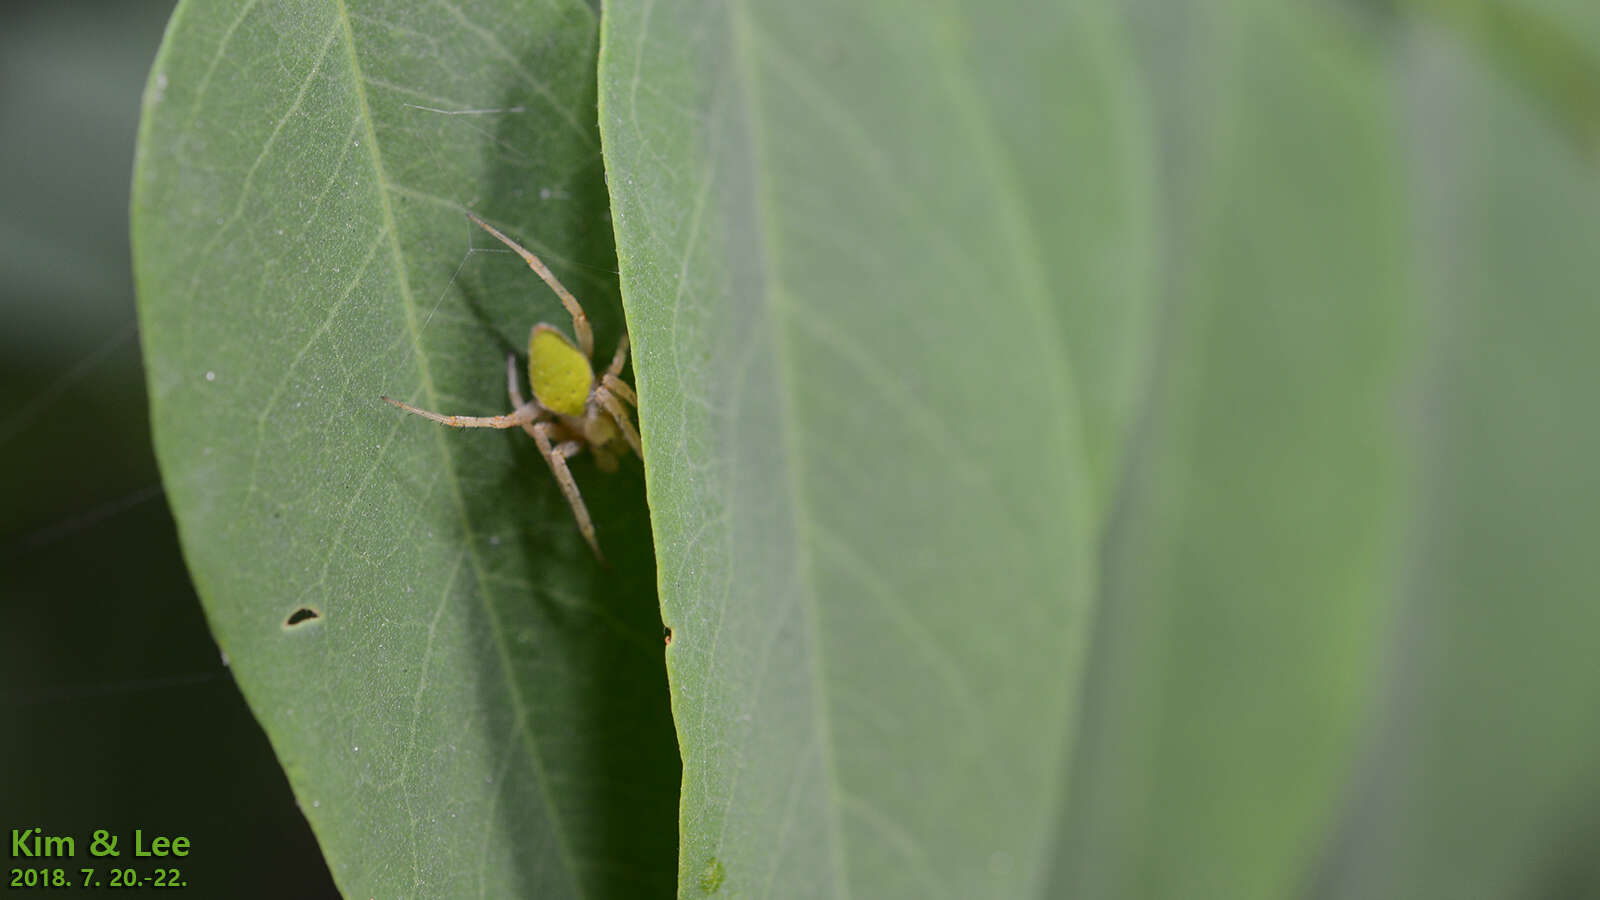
(666, 632)
(301, 616)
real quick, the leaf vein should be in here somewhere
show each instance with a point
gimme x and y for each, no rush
(410, 305)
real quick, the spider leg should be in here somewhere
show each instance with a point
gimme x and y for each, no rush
(620, 388)
(512, 387)
(619, 358)
(580, 322)
(619, 414)
(557, 458)
(522, 415)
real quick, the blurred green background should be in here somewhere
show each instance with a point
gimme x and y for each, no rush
(119, 712)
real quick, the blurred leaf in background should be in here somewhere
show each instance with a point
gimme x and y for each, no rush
(119, 712)
(1348, 630)
(1482, 771)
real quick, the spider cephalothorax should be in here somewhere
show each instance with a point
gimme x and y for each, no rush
(572, 408)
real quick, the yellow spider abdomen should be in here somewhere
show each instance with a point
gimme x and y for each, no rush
(559, 372)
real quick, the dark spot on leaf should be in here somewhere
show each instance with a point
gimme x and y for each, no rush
(712, 875)
(301, 616)
(666, 632)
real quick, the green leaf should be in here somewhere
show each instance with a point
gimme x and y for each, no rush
(1346, 623)
(478, 707)
(1254, 554)
(881, 414)
(839, 227)
(1548, 46)
(1484, 780)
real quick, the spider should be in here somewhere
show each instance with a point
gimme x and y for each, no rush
(572, 409)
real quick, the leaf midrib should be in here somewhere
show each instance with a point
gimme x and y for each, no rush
(502, 648)
(1028, 262)
(761, 204)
